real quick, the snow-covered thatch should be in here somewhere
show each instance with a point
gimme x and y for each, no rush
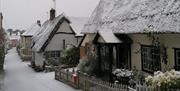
(45, 31)
(32, 30)
(77, 24)
(135, 16)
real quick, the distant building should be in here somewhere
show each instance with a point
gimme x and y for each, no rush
(26, 41)
(53, 37)
(13, 40)
(2, 42)
(1, 18)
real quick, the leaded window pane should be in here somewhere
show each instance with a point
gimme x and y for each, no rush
(150, 58)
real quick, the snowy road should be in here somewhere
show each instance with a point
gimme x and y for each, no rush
(20, 77)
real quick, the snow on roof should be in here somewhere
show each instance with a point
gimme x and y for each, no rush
(14, 37)
(77, 24)
(32, 30)
(109, 37)
(44, 32)
(135, 16)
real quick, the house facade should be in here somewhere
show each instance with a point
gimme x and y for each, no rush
(26, 41)
(1, 20)
(122, 35)
(2, 38)
(53, 37)
(2, 42)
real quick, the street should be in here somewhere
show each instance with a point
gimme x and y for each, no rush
(20, 77)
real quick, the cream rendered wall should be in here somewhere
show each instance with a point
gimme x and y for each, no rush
(39, 59)
(57, 41)
(138, 39)
(168, 40)
(171, 41)
(88, 39)
(28, 42)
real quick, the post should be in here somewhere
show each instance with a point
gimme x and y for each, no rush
(67, 75)
(78, 82)
(99, 58)
(110, 61)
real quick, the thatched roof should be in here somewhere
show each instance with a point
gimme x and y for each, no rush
(135, 16)
(32, 30)
(47, 30)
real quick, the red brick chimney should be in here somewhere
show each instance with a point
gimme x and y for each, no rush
(52, 14)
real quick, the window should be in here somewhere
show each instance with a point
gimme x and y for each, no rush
(64, 44)
(177, 59)
(52, 54)
(150, 56)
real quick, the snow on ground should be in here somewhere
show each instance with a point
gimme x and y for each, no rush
(20, 77)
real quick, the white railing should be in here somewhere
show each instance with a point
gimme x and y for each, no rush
(149, 88)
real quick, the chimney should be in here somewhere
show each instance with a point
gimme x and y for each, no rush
(52, 14)
(39, 22)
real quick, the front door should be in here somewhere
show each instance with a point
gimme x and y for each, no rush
(113, 56)
(123, 56)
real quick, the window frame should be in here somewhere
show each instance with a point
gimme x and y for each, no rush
(55, 53)
(175, 58)
(142, 58)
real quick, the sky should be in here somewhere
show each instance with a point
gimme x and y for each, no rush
(21, 14)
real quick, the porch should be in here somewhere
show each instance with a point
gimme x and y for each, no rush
(112, 54)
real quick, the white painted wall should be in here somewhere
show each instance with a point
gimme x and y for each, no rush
(39, 60)
(168, 40)
(57, 41)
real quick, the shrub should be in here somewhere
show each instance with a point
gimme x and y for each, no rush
(70, 56)
(2, 55)
(89, 65)
(169, 79)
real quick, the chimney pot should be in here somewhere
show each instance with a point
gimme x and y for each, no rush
(52, 14)
(39, 22)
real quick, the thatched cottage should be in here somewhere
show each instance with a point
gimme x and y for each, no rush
(141, 34)
(26, 41)
(53, 37)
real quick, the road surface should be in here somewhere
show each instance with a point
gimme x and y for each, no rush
(20, 77)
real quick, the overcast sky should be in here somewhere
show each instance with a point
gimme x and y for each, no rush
(20, 14)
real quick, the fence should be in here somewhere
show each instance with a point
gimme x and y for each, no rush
(66, 77)
(87, 83)
(92, 84)
(150, 88)
(26, 52)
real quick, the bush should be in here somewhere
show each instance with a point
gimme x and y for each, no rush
(169, 79)
(70, 56)
(2, 55)
(89, 65)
